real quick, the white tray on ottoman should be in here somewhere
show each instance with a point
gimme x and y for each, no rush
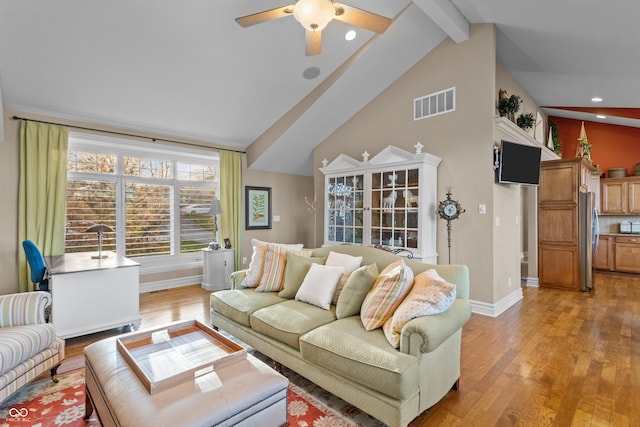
(246, 392)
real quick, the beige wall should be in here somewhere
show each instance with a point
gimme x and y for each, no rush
(463, 138)
(288, 193)
(287, 201)
(527, 222)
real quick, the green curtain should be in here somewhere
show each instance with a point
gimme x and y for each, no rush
(41, 192)
(231, 219)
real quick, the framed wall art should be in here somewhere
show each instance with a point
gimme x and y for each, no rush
(257, 208)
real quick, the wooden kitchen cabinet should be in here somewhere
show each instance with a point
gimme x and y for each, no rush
(633, 196)
(627, 254)
(561, 263)
(603, 259)
(620, 196)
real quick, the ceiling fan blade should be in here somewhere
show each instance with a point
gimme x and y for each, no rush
(362, 18)
(313, 42)
(267, 15)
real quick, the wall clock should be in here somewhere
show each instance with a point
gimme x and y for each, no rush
(449, 209)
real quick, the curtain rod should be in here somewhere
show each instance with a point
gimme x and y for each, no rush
(128, 134)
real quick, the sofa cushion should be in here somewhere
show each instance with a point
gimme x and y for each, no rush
(347, 349)
(295, 271)
(20, 343)
(430, 294)
(355, 289)
(239, 304)
(287, 321)
(390, 288)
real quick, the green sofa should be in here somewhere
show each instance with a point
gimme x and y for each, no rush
(362, 368)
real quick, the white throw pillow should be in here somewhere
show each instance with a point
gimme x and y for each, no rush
(348, 262)
(319, 284)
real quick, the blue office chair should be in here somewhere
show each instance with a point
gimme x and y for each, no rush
(39, 273)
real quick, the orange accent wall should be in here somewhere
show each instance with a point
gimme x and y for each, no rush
(612, 146)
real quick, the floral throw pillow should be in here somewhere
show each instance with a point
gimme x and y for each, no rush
(430, 294)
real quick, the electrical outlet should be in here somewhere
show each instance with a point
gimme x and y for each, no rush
(244, 260)
(497, 221)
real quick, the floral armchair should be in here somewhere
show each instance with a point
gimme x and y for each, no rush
(28, 344)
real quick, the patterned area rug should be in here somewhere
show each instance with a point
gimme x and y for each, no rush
(45, 404)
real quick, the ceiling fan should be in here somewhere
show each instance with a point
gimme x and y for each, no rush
(314, 15)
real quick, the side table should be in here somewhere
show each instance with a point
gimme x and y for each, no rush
(217, 266)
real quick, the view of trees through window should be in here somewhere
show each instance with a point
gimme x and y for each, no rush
(157, 203)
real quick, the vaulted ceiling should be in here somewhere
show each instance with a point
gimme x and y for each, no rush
(186, 69)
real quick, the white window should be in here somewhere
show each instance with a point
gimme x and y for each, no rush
(155, 197)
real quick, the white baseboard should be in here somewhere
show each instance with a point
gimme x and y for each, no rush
(532, 282)
(496, 309)
(169, 284)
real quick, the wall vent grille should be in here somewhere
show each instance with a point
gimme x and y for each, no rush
(434, 104)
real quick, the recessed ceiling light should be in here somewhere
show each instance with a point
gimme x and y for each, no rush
(596, 99)
(601, 116)
(351, 34)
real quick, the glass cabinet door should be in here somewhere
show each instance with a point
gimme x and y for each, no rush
(345, 209)
(394, 208)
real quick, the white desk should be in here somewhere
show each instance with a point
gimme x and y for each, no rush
(91, 295)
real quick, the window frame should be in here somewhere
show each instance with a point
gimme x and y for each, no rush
(121, 147)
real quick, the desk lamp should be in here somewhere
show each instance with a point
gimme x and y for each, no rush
(100, 229)
(215, 210)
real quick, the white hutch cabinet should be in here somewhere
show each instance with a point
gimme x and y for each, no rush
(390, 199)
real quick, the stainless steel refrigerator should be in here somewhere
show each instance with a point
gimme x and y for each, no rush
(589, 235)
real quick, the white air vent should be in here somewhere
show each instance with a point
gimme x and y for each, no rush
(434, 104)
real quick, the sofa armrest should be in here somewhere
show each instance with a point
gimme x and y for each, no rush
(236, 277)
(25, 308)
(424, 334)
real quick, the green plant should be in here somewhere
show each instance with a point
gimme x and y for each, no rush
(557, 145)
(508, 107)
(526, 121)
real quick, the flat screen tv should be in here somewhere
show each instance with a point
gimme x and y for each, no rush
(519, 164)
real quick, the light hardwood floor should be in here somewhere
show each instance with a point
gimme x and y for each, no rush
(557, 358)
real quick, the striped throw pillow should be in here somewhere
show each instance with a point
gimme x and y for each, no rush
(275, 262)
(256, 266)
(390, 288)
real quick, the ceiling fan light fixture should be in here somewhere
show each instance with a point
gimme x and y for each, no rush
(314, 15)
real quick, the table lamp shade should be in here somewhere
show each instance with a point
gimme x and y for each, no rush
(100, 229)
(215, 208)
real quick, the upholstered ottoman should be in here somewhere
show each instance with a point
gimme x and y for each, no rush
(244, 393)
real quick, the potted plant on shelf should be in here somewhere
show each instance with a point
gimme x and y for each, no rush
(508, 106)
(526, 121)
(555, 138)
